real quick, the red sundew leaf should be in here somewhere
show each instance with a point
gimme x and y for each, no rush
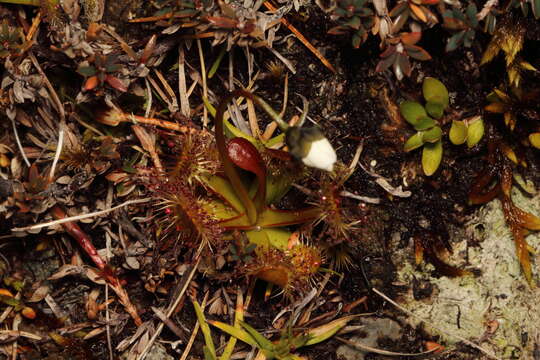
(430, 2)
(115, 83)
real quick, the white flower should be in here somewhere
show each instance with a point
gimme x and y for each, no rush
(311, 146)
(321, 155)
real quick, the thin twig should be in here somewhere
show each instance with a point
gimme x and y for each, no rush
(54, 95)
(18, 141)
(460, 338)
(302, 39)
(82, 216)
(149, 95)
(59, 146)
(15, 326)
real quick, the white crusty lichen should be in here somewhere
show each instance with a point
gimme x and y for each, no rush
(499, 296)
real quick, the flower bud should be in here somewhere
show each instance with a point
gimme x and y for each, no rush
(311, 146)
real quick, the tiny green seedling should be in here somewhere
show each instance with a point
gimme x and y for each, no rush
(424, 119)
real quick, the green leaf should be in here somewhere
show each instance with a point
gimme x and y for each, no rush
(270, 218)
(458, 132)
(435, 92)
(225, 191)
(414, 142)
(471, 14)
(425, 123)
(431, 157)
(534, 139)
(432, 135)
(536, 9)
(412, 112)
(87, 71)
(475, 131)
(275, 237)
(454, 41)
(435, 109)
(236, 332)
(326, 331)
(211, 350)
(263, 342)
(208, 354)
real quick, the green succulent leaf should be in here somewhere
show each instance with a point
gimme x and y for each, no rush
(425, 123)
(475, 131)
(274, 237)
(458, 132)
(435, 109)
(414, 142)
(225, 191)
(431, 157)
(432, 135)
(435, 92)
(412, 111)
(271, 218)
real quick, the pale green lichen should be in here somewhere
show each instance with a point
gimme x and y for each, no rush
(500, 293)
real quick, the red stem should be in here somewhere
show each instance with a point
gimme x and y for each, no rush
(85, 242)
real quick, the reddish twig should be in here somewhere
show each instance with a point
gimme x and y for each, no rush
(86, 243)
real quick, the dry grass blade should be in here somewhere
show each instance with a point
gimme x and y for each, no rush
(203, 75)
(83, 216)
(182, 88)
(18, 333)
